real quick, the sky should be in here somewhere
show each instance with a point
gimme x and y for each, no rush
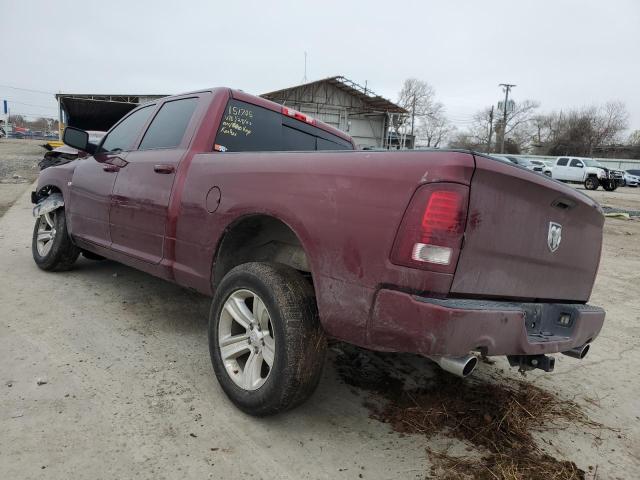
(563, 53)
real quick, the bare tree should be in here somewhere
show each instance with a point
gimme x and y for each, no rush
(518, 130)
(583, 131)
(434, 128)
(418, 98)
(634, 138)
(609, 121)
(487, 125)
(464, 139)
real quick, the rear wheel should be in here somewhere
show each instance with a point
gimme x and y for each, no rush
(591, 183)
(266, 343)
(51, 245)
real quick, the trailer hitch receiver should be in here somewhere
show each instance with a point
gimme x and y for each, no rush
(531, 362)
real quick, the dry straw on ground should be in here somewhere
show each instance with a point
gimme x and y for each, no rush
(496, 417)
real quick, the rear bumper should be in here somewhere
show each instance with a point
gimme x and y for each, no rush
(428, 326)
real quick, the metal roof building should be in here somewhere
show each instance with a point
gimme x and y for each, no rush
(348, 106)
(96, 112)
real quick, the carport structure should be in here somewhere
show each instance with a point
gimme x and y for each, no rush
(96, 112)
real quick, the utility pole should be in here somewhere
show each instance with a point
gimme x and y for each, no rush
(507, 87)
(490, 130)
(413, 113)
(304, 79)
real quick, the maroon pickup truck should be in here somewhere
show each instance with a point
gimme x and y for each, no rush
(297, 237)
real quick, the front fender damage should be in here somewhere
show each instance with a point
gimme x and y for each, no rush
(48, 204)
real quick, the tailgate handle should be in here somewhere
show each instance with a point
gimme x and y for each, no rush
(563, 204)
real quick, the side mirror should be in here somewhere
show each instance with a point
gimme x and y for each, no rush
(579, 165)
(78, 139)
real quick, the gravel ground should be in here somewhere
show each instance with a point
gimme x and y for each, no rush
(105, 373)
(18, 168)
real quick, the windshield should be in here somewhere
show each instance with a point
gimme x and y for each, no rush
(593, 163)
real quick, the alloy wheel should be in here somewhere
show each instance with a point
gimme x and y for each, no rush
(246, 339)
(46, 233)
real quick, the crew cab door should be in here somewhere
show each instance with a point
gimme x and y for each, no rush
(142, 189)
(576, 170)
(94, 178)
(560, 170)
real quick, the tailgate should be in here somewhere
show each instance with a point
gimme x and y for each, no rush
(511, 248)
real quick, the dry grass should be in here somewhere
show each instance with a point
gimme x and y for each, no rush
(497, 417)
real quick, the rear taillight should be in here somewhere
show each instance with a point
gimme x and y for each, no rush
(430, 236)
(297, 115)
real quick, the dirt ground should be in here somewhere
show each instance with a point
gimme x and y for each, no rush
(105, 373)
(18, 168)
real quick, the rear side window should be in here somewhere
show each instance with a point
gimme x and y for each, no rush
(562, 161)
(125, 133)
(329, 145)
(293, 139)
(246, 128)
(168, 126)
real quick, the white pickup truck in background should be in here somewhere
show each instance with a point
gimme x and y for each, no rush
(587, 171)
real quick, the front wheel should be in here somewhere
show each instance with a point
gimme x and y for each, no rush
(591, 183)
(265, 339)
(610, 185)
(51, 245)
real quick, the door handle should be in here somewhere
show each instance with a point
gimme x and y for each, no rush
(110, 168)
(164, 168)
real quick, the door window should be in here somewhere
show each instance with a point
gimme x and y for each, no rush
(562, 162)
(168, 126)
(576, 163)
(125, 133)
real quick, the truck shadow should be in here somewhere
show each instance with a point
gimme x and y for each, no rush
(493, 415)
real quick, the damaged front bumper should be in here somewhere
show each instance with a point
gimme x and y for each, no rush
(428, 326)
(47, 204)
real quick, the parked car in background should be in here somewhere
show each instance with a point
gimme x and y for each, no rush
(586, 171)
(66, 154)
(277, 217)
(521, 161)
(514, 160)
(630, 179)
(535, 165)
(541, 166)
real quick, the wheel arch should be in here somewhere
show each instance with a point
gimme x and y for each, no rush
(261, 237)
(46, 190)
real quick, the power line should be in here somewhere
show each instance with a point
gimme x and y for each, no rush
(27, 89)
(9, 100)
(27, 114)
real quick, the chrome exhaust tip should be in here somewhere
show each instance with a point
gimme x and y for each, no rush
(459, 366)
(578, 352)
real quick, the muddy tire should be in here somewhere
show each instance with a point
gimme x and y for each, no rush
(266, 343)
(591, 183)
(51, 245)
